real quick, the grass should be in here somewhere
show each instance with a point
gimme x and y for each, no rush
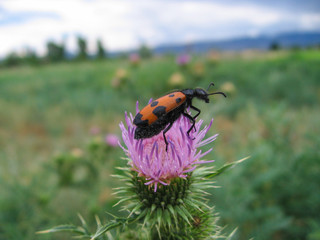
(271, 114)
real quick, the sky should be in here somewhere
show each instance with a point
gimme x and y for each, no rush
(126, 24)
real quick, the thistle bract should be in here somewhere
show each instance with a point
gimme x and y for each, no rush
(150, 159)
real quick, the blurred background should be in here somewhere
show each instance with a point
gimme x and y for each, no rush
(70, 69)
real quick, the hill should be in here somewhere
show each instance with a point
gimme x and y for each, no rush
(262, 42)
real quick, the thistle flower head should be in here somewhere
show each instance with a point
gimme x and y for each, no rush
(183, 59)
(134, 58)
(112, 140)
(150, 159)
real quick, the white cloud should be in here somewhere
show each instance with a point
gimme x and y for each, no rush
(310, 21)
(124, 24)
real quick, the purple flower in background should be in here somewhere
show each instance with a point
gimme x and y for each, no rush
(134, 58)
(151, 160)
(112, 140)
(94, 130)
(183, 59)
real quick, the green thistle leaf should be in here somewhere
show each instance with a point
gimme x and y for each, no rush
(173, 213)
(124, 200)
(224, 168)
(193, 205)
(103, 229)
(147, 218)
(65, 228)
(231, 235)
(167, 217)
(136, 209)
(159, 216)
(182, 214)
(186, 212)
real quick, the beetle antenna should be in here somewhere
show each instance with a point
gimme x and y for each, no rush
(222, 93)
(211, 84)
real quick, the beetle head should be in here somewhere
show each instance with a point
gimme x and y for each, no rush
(201, 94)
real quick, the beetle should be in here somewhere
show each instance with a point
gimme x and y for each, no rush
(161, 113)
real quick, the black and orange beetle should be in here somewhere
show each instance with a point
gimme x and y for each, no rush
(161, 113)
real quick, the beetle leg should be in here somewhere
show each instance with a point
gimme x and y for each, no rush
(196, 109)
(193, 123)
(164, 134)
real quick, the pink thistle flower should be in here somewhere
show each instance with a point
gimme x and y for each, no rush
(134, 58)
(150, 159)
(112, 140)
(183, 59)
(95, 130)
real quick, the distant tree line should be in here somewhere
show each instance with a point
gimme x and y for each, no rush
(55, 53)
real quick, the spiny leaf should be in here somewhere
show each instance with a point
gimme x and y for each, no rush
(158, 230)
(84, 224)
(98, 221)
(169, 206)
(124, 168)
(123, 200)
(135, 209)
(102, 229)
(231, 234)
(140, 215)
(202, 192)
(153, 207)
(113, 224)
(224, 168)
(119, 188)
(121, 178)
(203, 185)
(122, 192)
(200, 171)
(190, 203)
(200, 203)
(186, 211)
(62, 228)
(167, 217)
(182, 214)
(173, 213)
(159, 215)
(146, 219)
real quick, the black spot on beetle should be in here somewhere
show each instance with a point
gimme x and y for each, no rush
(171, 95)
(139, 122)
(159, 111)
(155, 103)
(178, 100)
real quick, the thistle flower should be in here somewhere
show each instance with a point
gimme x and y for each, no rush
(167, 188)
(112, 140)
(150, 159)
(134, 59)
(183, 59)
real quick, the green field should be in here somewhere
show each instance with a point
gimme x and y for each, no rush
(52, 167)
